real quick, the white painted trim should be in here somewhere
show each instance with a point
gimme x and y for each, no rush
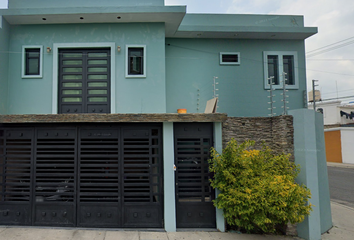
(339, 129)
(332, 129)
(280, 55)
(230, 63)
(24, 47)
(57, 46)
(126, 61)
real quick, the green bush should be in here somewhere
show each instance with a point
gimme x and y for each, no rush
(257, 188)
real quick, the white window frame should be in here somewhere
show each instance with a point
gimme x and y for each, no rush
(127, 75)
(280, 55)
(230, 63)
(24, 47)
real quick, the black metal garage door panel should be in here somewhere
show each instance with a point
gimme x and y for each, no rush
(99, 191)
(15, 176)
(142, 184)
(88, 176)
(55, 177)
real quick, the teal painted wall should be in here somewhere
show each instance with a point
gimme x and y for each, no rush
(133, 95)
(81, 3)
(191, 65)
(323, 184)
(310, 154)
(4, 56)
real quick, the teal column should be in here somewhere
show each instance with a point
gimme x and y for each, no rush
(220, 221)
(169, 178)
(306, 155)
(325, 203)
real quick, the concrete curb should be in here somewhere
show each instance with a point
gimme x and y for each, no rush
(340, 165)
(342, 205)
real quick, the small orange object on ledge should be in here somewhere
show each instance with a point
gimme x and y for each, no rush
(182, 110)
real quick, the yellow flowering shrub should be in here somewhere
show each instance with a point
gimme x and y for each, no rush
(258, 191)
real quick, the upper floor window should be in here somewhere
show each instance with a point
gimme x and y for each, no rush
(281, 67)
(135, 61)
(32, 61)
(229, 58)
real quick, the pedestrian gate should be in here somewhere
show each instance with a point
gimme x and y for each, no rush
(87, 176)
(194, 194)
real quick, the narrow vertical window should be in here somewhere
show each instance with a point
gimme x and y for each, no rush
(273, 69)
(32, 61)
(135, 62)
(136, 56)
(288, 67)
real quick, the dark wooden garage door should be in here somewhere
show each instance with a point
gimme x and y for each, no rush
(88, 176)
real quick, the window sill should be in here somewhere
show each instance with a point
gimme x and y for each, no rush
(278, 87)
(31, 76)
(135, 76)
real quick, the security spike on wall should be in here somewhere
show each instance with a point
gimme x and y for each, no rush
(284, 107)
(271, 96)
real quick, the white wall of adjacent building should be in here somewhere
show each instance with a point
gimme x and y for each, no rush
(347, 139)
(331, 112)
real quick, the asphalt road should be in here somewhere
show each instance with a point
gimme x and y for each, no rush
(341, 185)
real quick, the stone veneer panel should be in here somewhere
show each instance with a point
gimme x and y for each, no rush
(110, 118)
(276, 132)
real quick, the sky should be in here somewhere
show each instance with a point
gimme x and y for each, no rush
(330, 53)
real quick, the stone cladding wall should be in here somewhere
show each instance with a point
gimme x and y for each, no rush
(276, 132)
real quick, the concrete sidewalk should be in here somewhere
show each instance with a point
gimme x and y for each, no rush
(343, 221)
(16, 233)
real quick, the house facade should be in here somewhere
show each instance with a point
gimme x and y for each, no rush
(89, 134)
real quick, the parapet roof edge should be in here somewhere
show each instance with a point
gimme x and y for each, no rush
(244, 26)
(172, 16)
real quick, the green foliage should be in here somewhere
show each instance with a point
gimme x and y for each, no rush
(258, 189)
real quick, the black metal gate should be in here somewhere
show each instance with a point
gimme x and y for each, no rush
(88, 176)
(16, 176)
(142, 184)
(194, 195)
(55, 177)
(98, 194)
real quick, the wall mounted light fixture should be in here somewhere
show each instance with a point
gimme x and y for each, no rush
(49, 49)
(118, 48)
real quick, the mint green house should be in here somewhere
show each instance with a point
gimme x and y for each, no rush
(89, 91)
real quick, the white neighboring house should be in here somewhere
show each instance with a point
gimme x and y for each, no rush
(332, 112)
(338, 119)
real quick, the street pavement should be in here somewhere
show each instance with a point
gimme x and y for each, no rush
(342, 216)
(341, 181)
